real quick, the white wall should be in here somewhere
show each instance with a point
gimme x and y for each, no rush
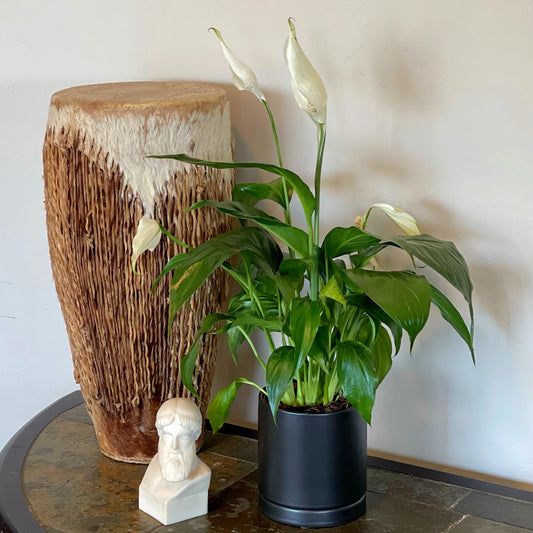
(431, 109)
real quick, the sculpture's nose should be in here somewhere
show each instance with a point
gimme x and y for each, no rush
(174, 442)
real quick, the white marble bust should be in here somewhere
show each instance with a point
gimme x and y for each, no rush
(175, 485)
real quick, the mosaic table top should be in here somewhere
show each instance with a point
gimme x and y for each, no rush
(70, 487)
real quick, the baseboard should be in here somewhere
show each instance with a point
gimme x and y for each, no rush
(424, 469)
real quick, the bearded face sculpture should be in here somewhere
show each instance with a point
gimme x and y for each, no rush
(179, 424)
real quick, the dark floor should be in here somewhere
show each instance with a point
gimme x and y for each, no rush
(72, 488)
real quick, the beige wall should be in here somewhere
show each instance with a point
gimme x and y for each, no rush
(431, 109)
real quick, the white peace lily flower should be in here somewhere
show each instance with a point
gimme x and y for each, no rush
(398, 216)
(147, 238)
(243, 76)
(307, 87)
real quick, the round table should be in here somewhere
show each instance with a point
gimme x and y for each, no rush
(54, 478)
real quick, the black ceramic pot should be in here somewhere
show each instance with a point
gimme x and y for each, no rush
(312, 467)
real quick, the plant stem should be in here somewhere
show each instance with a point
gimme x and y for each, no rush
(245, 381)
(280, 161)
(257, 303)
(252, 346)
(316, 228)
(318, 175)
(173, 238)
(274, 131)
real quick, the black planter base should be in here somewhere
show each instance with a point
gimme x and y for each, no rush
(312, 467)
(312, 517)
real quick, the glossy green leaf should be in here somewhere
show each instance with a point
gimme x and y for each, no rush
(218, 409)
(188, 362)
(332, 290)
(294, 237)
(281, 368)
(304, 320)
(294, 268)
(187, 365)
(377, 313)
(453, 317)
(382, 354)
(256, 322)
(340, 241)
(235, 338)
(362, 257)
(404, 296)
(441, 256)
(204, 259)
(299, 186)
(346, 321)
(357, 377)
(290, 277)
(319, 351)
(251, 193)
(171, 265)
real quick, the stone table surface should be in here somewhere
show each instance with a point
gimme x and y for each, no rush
(70, 487)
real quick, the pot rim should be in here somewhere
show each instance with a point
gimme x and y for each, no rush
(264, 398)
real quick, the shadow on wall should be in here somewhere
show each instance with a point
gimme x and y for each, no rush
(398, 82)
(405, 75)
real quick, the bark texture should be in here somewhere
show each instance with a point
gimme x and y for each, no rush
(124, 362)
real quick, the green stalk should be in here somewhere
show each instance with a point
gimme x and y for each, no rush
(318, 175)
(316, 228)
(252, 346)
(173, 238)
(280, 161)
(246, 382)
(257, 303)
(289, 398)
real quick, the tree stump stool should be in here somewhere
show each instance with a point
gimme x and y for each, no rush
(98, 185)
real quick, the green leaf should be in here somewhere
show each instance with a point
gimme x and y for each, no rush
(294, 237)
(251, 193)
(203, 260)
(319, 351)
(340, 241)
(374, 311)
(300, 187)
(172, 264)
(382, 354)
(235, 338)
(188, 362)
(453, 317)
(357, 377)
(332, 290)
(290, 277)
(280, 370)
(443, 257)
(304, 320)
(293, 268)
(187, 365)
(362, 257)
(218, 409)
(256, 322)
(404, 296)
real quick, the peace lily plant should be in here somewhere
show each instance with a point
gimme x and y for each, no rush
(338, 331)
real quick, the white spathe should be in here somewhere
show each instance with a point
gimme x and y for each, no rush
(306, 84)
(147, 238)
(401, 218)
(176, 483)
(243, 76)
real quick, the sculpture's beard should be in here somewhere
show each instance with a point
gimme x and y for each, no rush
(176, 465)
